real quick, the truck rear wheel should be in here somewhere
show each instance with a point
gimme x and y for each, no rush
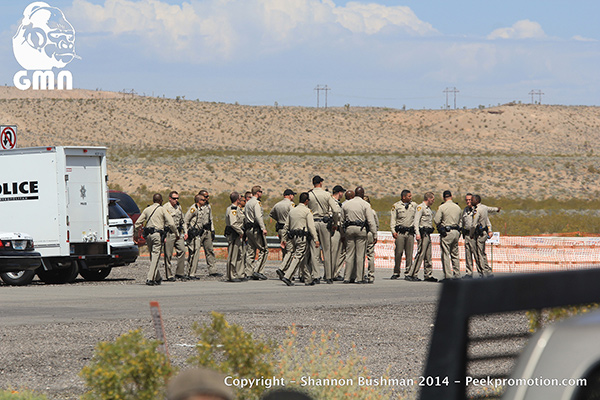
(60, 275)
(96, 274)
(19, 278)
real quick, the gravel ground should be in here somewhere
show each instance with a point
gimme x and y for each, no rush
(394, 338)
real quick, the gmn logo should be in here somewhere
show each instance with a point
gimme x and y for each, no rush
(44, 41)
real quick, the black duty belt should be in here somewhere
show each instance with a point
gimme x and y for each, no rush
(425, 230)
(279, 226)
(297, 233)
(325, 219)
(362, 224)
(405, 229)
(149, 231)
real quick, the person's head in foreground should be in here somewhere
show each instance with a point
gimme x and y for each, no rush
(199, 384)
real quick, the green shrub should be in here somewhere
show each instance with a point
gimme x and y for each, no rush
(227, 348)
(20, 395)
(322, 359)
(130, 368)
(537, 318)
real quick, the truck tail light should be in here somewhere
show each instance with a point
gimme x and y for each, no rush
(68, 236)
(1, 244)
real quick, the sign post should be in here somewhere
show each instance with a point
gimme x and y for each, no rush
(8, 137)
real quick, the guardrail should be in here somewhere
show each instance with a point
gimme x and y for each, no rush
(221, 241)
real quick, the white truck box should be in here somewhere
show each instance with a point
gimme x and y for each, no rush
(59, 196)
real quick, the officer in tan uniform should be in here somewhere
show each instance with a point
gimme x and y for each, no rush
(234, 233)
(370, 275)
(241, 217)
(256, 232)
(326, 216)
(423, 225)
(299, 229)
(403, 231)
(279, 214)
(206, 240)
(175, 240)
(481, 230)
(466, 223)
(157, 220)
(194, 222)
(447, 220)
(338, 244)
(358, 221)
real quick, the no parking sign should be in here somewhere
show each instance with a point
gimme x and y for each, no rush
(8, 136)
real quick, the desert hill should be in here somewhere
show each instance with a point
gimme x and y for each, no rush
(511, 150)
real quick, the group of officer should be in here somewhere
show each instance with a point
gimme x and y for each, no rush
(167, 228)
(321, 234)
(410, 221)
(318, 236)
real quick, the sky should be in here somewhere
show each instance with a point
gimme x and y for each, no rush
(382, 53)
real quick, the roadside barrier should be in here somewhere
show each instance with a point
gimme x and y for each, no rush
(512, 253)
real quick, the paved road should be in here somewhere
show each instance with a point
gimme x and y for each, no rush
(42, 304)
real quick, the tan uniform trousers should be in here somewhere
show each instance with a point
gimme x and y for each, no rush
(298, 258)
(450, 257)
(470, 253)
(405, 243)
(209, 252)
(324, 249)
(481, 258)
(172, 242)
(356, 248)
(286, 252)
(235, 257)
(423, 256)
(370, 275)
(338, 253)
(256, 241)
(193, 255)
(154, 247)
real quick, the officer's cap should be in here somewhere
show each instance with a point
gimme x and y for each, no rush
(317, 179)
(198, 381)
(287, 192)
(337, 189)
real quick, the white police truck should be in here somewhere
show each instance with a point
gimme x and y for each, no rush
(59, 195)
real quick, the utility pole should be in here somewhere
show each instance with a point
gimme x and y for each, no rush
(326, 89)
(454, 90)
(539, 93)
(318, 90)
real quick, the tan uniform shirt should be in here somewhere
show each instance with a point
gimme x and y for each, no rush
(322, 204)
(359, 210)
(280, 211)
(206, 215)
(403, 214)
(300, 218)
(448, 214)
(156, 217)
(480, 218)
(233, 220)
(253, 212)
(423, 217)
(193, 217)
(177, 215)
(466, 218)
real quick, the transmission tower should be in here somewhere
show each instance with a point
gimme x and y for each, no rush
(536, 92)
(320, 88)
(454, 91)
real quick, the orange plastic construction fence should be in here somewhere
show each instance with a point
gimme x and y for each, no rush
(513, 253)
